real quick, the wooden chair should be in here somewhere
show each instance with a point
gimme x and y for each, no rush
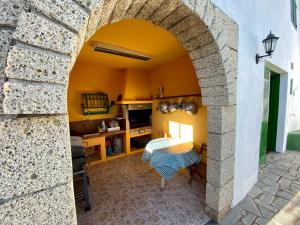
(195, 168)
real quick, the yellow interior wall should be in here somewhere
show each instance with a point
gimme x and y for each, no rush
(88, 78)
(136, 85)
(178, 78)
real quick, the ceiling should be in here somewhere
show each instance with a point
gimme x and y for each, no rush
(134, 34)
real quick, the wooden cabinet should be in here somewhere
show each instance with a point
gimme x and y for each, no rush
(99, 142)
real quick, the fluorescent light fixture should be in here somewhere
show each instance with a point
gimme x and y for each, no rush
(120, 51)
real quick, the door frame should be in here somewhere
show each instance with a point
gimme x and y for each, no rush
(282, 108)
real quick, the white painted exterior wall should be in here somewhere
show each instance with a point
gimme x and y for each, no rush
(255, 19)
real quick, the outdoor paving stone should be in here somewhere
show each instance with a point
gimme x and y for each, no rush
(267, 197)
(293, 172)
(270, 182)
(233, 216)
(266, 205)
(261, 221)
(285, 195)
(284, 182)
(239, 223)
(289, 177)
(280, 202)
(255, 191)
(272, 176)
(248, 204)
(266, 213)
(248, 220)
(271, 189)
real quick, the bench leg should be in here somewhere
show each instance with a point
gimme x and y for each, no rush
(162, 183)
(86, 192)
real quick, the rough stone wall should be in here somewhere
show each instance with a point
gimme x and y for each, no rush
(39, 43)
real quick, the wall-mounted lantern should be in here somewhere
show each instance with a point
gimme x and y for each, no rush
(270, 44)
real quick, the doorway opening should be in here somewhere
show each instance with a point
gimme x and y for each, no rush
(274, 110)
(134, 90)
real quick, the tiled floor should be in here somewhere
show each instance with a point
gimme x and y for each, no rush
(275, 198)
(126, 191)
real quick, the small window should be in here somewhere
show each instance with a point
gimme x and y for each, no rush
(294, 13)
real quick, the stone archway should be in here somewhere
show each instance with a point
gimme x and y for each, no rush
(47, 37)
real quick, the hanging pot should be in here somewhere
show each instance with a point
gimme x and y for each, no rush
(163, 107)
(191, 108)
(183, 105)
(173, 106)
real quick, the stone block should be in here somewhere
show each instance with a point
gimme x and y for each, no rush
(226, 89)
(10, 11)
(90, 4)
(51, 206)
(233, 216)
(149, 8)
(227, 38)
(2, 80)
(23, 97)
(3, 57)
(220, 172)
(134, 8)
(38, 31)
(200, 7)
(219, 198)
(198, 42)
(216, 216)
(36, 65)
(212, 71)
(221, 119)
(220, 146)
(219, 100)
(94, 20)
(164, 10)
(120, 10)
(106, 12)
(180, 13)
(204, 51)
(224, 29)
(189, 3)
(5, 39)
(35, 154)
(209, 14)
(182, 25)
(191, 33)
(208, 61)
(220, 80)
(66, 12)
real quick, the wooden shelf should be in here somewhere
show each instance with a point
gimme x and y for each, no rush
(134, 151)
(135, 102)
(139, 135)
(106, 134)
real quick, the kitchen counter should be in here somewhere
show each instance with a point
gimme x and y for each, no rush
(104, 134)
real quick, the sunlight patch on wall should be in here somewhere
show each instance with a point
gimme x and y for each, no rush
(182, 131)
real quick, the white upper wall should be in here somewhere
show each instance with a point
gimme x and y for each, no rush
(255, 19)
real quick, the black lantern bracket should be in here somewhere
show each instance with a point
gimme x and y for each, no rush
(259, 57)
(270, 44)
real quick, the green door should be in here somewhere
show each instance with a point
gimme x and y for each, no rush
(273, 111)
(270, 114)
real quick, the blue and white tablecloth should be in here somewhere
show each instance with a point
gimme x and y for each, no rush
(168, 155)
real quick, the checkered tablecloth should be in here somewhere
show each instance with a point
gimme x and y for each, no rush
(168, 155)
